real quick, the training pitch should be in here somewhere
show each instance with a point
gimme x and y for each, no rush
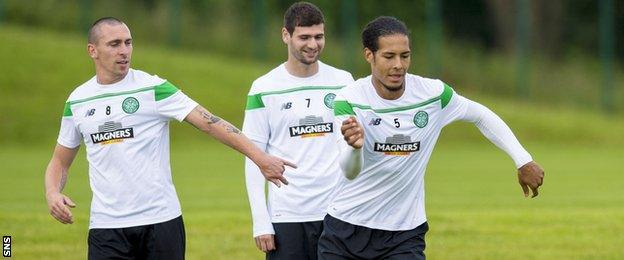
(474, 205)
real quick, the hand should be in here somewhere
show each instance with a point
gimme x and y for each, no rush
(59, 205)
(353, 133)
(531, 176)
(265, 243)
(273, 169)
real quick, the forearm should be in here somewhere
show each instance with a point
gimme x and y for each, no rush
(223, 131)
(255, 185)
(350, 160)
(349, 145)
(495, 130)
(55, 177)
(58, 169)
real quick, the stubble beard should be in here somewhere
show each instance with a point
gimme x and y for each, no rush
(305, 61)
(393, 89)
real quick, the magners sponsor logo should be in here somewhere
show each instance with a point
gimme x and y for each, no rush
(311, 126)
(397, 145)
(111, 132)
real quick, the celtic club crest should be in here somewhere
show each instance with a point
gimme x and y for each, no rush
(329, 100)
(421, 119)
(130, 105)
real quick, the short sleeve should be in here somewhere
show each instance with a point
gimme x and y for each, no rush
(69, 136)
(256, 123)
(453, 105)
(172, 103)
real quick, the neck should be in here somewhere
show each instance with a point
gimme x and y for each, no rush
(298, 69)
(108, 78)
(388, 93)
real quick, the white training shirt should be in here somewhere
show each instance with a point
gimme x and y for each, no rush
(400, 135)
(125, 128)
(292, 118)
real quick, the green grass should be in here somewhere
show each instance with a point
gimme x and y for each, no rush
(208, 179)
(476, 209)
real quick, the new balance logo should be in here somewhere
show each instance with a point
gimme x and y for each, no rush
(286, 105)
(90, 112)
(375, 121)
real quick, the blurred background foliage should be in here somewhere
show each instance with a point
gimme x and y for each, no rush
(559, 28)
(556, 54)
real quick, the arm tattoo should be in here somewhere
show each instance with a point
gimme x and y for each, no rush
(210, 117)
(232, 129)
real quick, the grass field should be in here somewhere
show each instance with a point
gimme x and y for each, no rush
(475, 207)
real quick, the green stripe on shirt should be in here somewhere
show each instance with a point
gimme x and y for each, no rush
(299, 89)
(110, 95)
(161, 92)
(396, 109)
(444, 98)
(255, 101)
(166, 89)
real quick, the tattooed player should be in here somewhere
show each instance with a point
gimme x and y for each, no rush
(122, 115)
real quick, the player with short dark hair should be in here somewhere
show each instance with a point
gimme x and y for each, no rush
(392, 120)
(289, 114)
(302, 14)
(122, 115)
(94, 31)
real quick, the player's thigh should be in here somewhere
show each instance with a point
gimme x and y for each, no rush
(335, 239)
(328, 247)
(167, 240)
(313, 230)
(108, 244)
(412, 245)
(290, 242)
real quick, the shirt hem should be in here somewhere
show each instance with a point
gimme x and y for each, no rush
(291, 219)
(66, 144)
(134, 223)
(380, 226)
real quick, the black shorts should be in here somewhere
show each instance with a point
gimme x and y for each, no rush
(342, 240)
(164, 240)
(297, 240)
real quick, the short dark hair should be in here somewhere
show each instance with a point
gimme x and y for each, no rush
(381, 26)
(93, 36)
(302, 14)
